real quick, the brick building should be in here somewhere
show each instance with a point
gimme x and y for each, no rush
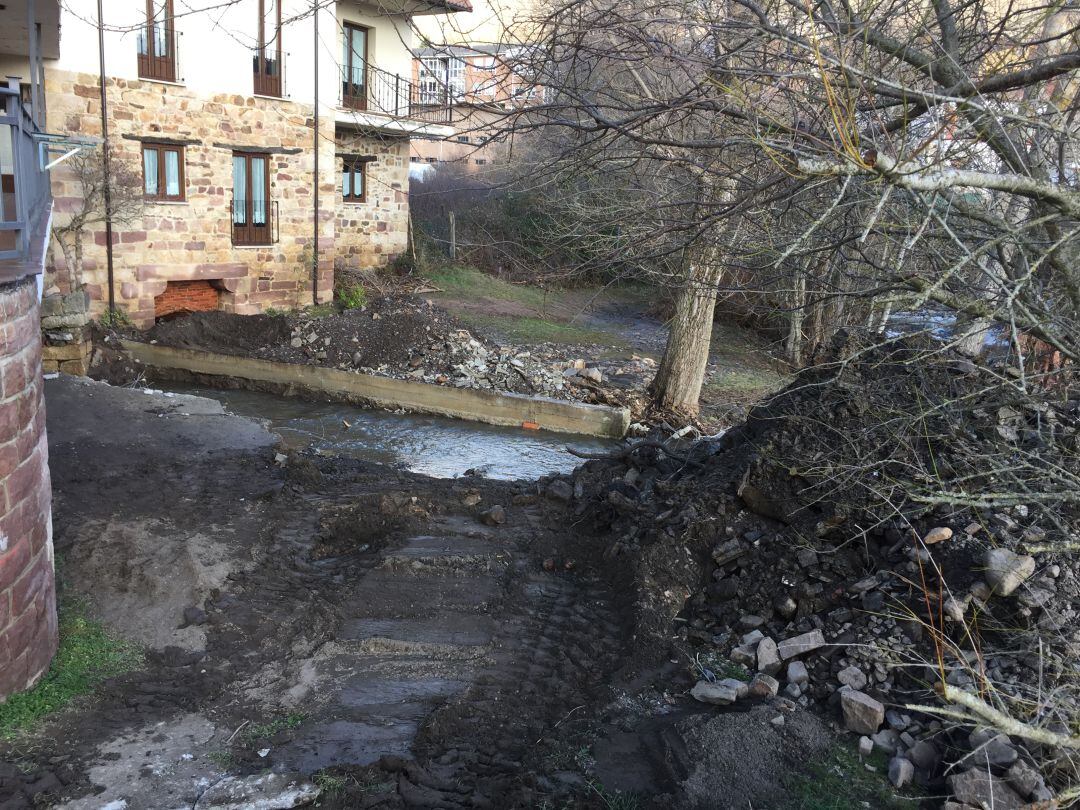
(216, 114)
(28, 631)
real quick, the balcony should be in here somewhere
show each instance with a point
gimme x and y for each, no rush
(254, 222)
(375, 98)
(157, 52)
(268, 68)
(25, 196)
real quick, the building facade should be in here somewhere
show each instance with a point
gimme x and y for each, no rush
(212, 123)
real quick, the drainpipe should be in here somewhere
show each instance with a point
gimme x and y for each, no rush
(105, 161)
(315, 242)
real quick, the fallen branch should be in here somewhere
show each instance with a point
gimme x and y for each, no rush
(995, 718)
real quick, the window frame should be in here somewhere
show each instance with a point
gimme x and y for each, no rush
(351, 166)
(154, 66)
(267, 82)
(161, 149)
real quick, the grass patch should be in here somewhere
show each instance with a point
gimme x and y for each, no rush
(744, 381)
(262, 731)
(351, 296)
(538, 330)
(458, 281)
(88, 654)
(842, 782)
(715, 667)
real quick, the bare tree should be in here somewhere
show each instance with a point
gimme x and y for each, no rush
(126, 196)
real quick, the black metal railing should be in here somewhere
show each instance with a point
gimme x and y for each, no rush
(254, 222)
(24, 186)
(371, 89)
(157, 52)
(268, 66)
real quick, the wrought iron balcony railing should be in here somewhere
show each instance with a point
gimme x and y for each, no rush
(24, 186)
(370, 89)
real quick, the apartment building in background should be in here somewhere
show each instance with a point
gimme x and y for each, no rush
(482, 83)
(214, 107)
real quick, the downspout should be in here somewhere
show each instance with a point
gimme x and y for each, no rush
(315, 242)
(106, 189)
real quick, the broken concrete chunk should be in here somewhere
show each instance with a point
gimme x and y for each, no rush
(901, 771)
(799, 645)
(866, 746)
(852, 676)
(716, 694)
(258, 792)
(764, 686)
(744, 655)
(768, 657)
(862, 713)
(797, 673)
(728, 551)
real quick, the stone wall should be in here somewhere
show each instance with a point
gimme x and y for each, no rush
(192, 240)
(376, 231)
(28, 632)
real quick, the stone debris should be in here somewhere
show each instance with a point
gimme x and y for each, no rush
(979, 788)
(862, 713)
(714, 693)
(768, 657)
(495, 516)
(271, 791)
(938, 534)
(1005, 571)
(901, 771)
(800, 645)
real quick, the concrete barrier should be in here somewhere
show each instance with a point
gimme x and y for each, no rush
(490, 407)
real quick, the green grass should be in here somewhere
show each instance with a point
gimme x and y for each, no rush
(537, 330)
(742, 381)
(467, 282)
(261, 731)
(88, 655)
(351, 296)
(842, 782)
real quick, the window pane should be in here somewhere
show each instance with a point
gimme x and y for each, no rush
(345, 182)
(172, 173)
(160, 21)
(258, 191)
(239, 174)
(358, 182)
(359, 39)
(150, 172)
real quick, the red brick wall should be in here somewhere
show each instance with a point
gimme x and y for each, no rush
(186, 296)
(27, 591)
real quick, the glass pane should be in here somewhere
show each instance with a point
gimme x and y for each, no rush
(160, 21)
(258, 191)
(239, 176)
(172, 174)
(358, 182)
(150, 172)
(345, 184)
(359, 39)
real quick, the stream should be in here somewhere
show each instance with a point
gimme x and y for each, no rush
(431, 445)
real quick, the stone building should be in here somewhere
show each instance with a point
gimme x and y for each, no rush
(28, 630)
(213, 115)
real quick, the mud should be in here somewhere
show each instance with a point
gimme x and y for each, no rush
(352, 624)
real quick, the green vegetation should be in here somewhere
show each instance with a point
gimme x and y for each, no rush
(841, 781)
(320, 311)
(351, 295)
(614, 799)
(742, 381)
(467, 282)
(114, 319)
(88, 655)
(538, 330)
(261, 731)
(705, 664)
(330, 784)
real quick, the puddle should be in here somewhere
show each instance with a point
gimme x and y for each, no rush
(431, 445)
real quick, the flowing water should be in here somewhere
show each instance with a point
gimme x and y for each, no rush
(431, 445)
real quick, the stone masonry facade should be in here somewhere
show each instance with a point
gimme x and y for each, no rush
(191, 240)
(28, 628)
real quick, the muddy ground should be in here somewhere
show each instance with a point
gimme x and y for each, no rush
(327, 626)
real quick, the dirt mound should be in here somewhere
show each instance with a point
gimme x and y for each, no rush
(222, 332)
(889, 522)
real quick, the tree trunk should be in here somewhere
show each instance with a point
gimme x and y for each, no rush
(793, 344)
(677, 384)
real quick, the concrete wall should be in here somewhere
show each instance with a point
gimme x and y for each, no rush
(28, 632)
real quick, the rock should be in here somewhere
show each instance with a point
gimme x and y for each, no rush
(1024, 779)
(1005, 571)
(194, 615)
(989, 746)
(862, 714)
(592, 374)
(560, 490)
(768, 657)
(471, 498)
(901, 771)
(796, 673)
(728, 551)
(954, 609)
(763, 686)
(495, 516)
(752, 639)
(785, 606)
(979, 788)
(751, 622)
(271, 791)
(924, 755)
(799, 645)
(778, 720)
(852, 676)
(887, 740)
(793, 691)
(937, 535)
(741, 687)
(866, 746)
(897, 722)
(806, 557)
(715, 694)
(745, 656)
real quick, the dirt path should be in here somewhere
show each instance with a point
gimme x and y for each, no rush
(319, 625)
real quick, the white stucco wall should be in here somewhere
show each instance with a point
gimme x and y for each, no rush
(215, 47)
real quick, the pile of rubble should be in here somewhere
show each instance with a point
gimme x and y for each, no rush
(944, 639)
